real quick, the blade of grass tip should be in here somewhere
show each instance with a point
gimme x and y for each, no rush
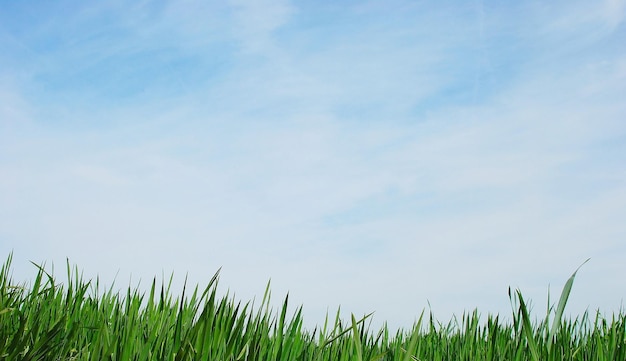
(267, 295)
(548, 310)
(323, 330)
(178, 341)
(211, 285)
(527, 328)
(279, 330)
(561, 307)
(337, 325)
(356, 337)
(38, 279)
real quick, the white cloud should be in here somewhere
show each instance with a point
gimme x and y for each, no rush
(587, 21)
(614, 12)
(256, 20)
(14, 109)
(100, 175)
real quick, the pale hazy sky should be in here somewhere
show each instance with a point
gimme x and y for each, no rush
(378, 155)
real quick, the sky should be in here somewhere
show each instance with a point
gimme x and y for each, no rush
(378, 156)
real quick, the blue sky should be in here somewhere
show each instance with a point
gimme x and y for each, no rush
(378, 155)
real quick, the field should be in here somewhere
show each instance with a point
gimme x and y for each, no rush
(46, 320)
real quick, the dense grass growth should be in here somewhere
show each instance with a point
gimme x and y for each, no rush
(44, 320)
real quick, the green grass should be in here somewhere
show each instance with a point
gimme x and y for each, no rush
(45, 320)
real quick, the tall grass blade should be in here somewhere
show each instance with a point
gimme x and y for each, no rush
(356, 339)
(556, 323)
(527, 329)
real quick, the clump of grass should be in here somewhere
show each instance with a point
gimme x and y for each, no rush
(76, 321)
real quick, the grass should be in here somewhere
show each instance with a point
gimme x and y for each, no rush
(46, 320)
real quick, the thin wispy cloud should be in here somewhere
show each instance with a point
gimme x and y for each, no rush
(379, 156)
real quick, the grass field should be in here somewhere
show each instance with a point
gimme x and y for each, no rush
(46, 320)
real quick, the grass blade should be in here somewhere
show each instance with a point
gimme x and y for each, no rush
(561, 307)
